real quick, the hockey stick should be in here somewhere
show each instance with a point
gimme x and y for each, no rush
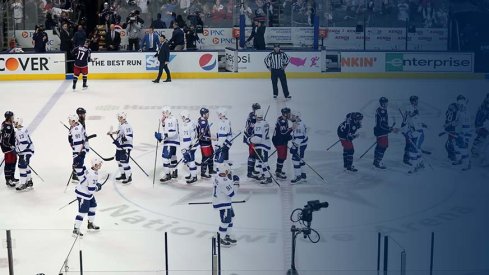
(192, 147)
(266, 113)
(36, 173)
(209, 202)
(271, 175)
(69, 179)
(368, 150)
(417, 150)
(65, 262)
(314, 170)
(156, 155)
(137, 164)
(333, 145)
(92, 136)
(108, 175)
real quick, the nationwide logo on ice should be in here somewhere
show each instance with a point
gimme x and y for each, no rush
(207, 62)
(152, 62)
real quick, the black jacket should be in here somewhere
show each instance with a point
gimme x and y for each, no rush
(177, 37)
(116, 42)
(258, 36)
(65, 38)
(163, 53)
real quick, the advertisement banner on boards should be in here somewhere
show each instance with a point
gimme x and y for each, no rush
(254, 61)
(142, 62)
(362, 62)
(32, 64)
(429, 62)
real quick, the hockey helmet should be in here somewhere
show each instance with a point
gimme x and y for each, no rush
(166, 110)
(296, 116)
(72, 118)
(357, 116)
(255, 106)
(185, 115)
(413, 99)
(8, 114)
(18, 122)
(222, 112)
(122, 115)
(81, 111)
(259, 114)
(461, 97)
(383, 101)
(223, 167)
(204, 111)
(285, 111)
(96, 161)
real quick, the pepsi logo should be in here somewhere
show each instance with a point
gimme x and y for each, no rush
(207, 62)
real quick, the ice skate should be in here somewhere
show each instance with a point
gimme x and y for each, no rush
(92, 226)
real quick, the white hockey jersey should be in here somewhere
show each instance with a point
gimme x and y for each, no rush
(224, 132)
(299, 134)
(223, 192)
(86, 188)
(464, 124)
(125, 136)
(23, 142)
(188, 135)
(170, 129)
(78, 139)
(261, 137)
(413, 119)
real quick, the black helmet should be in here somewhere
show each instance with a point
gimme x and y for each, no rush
(255, 106)
(80, 111)
(383, 101)
(413, 99)
(357, 116)
(204, 111)
(461, 97)
(285, 111)
(8, 114)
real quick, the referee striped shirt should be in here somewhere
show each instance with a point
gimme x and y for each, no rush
(276, 60)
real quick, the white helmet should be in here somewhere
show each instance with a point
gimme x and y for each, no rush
(166, 111)
(297, 115)
(72, 118)
(222, 112)
(18, 121)
(223, 167)
(185, 115)
(95, 161)
(122, 115)
(259, 113)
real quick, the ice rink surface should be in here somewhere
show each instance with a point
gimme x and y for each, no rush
(133, 218)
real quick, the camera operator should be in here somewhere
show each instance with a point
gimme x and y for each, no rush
(40, 39)
(191, 37)
(177, 41)
(133, 28)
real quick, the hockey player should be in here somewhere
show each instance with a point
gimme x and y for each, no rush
(8, 148)
(381, 132)
(347, 133)
(261, 143)
(170, 142)
(223, 138)
(299, 145)
(189, 143)
(81, 112)
(225, 189)
(248, 132)
(481, 128)
(414, 138)
(280, 139)
(86, 200)
(205, 142)
(450, 122)
(123, 142)
(24, 149)
(79, 145)
(463, 131)
(412, 120)
(82, 57)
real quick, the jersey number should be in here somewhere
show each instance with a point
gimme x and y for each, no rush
(80, 55)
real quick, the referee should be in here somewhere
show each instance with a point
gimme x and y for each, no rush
(276, 62)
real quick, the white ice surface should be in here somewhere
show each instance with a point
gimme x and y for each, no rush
(409, 207)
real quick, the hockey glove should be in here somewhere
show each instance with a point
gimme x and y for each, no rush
(99, 186)
(158, 136)
(424, 125)
(117, 143)
(235, 178)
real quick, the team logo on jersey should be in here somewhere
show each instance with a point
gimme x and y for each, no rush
(207, 62)
(152, 62)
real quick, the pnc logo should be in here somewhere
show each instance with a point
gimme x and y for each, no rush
(206, 32)
(215, 40)
(207, 62)
(25, 34)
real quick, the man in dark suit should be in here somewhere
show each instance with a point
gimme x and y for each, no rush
(65, 38)
(112, 39)
(258, 35)
(150, 41)
(163, 55)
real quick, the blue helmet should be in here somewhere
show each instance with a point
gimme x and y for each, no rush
(383, 101)
(204, 111)
(8, 114)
